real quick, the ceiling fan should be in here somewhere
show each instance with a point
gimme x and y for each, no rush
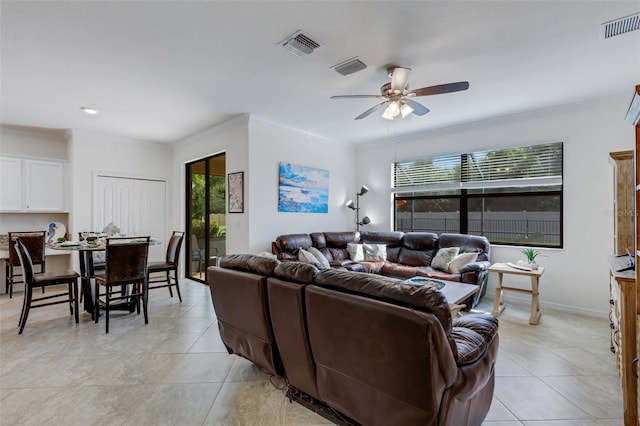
(396, 95)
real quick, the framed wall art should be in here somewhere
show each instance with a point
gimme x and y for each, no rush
(235, 185)
(303, 189)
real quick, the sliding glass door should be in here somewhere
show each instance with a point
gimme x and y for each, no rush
(206, 221)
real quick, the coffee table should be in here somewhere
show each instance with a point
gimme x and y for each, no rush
(499, 305)
(456, 292)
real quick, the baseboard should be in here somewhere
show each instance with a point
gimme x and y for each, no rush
(526, 301)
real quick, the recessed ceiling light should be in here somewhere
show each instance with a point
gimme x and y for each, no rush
(90, 111)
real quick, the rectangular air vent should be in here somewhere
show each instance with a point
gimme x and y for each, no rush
(349, 66)
(299, 44)
(620, 26)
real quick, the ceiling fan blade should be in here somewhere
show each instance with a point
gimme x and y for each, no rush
(399, 78)
(355, 96)
(442, 88)
(418, 108)
(370, 111)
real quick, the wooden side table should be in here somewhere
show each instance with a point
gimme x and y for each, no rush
(498, 304)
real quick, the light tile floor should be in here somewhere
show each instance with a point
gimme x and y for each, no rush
(176, 371)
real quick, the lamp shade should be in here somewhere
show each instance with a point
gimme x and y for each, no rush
(365, 221)
(351, 205)
(363, 190)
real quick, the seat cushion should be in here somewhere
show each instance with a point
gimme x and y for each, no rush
(159, 266)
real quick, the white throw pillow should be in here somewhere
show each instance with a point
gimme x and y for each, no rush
(322, 259)
(375, 252)
(305, 256)
(356, 252)
(444, 257)
(460, 261)
(268, 255)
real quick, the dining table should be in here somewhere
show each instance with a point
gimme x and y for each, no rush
(85, 250)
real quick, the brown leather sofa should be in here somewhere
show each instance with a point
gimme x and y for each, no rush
(378, 350)
(409, 254)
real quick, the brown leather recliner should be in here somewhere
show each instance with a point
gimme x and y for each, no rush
(239, 295)
(288, 317)
(388, 353)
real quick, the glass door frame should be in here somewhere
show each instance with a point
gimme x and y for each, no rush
(199, 276)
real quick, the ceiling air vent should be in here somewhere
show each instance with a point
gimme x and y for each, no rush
(620, 26)
(349, 66)
(299, 44)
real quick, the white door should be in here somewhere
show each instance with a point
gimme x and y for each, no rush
(136, 206)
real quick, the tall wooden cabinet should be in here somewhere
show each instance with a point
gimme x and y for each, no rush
(622, 283)
(624, 205)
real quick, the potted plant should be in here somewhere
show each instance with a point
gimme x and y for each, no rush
(531, 255)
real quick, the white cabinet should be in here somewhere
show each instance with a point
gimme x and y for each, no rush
(11, 194)
(45, 184)
(30, 185)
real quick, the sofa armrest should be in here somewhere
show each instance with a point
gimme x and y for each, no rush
(473, 334)
(478, 267)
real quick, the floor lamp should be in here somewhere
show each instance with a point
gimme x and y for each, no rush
(356, 206)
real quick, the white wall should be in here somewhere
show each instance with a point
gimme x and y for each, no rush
(256, 148)
(269, 145)
(576, 277)
(231, 138)
(33, 142)
(91, 153)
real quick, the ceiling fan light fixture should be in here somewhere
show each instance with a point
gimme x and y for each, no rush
(387, 115)
(405, 110)
(394, 108)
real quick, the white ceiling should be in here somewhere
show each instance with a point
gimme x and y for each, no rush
(164, 70)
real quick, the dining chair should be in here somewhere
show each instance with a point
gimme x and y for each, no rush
(170, 264)
(46, 279)
(125, 276)
(34, 241)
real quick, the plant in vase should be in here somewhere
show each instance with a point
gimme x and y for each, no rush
(531, 255)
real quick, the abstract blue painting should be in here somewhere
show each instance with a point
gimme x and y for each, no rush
(303, 189)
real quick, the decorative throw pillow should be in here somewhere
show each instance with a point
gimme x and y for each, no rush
(460, 261)
(306, 256)
(375, 252)
(444, 257)
(356, 252)
(322, 259)
(267, 255)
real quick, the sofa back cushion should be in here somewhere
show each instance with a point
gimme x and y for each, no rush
(334, 244)
(421, 297)
(418, 248)
(297, 272)
(249, 263)
(287, 246)
(468, 244)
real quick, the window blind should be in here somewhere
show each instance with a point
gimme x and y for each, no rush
(536, 165)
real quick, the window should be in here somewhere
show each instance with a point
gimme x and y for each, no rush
(510, 195)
